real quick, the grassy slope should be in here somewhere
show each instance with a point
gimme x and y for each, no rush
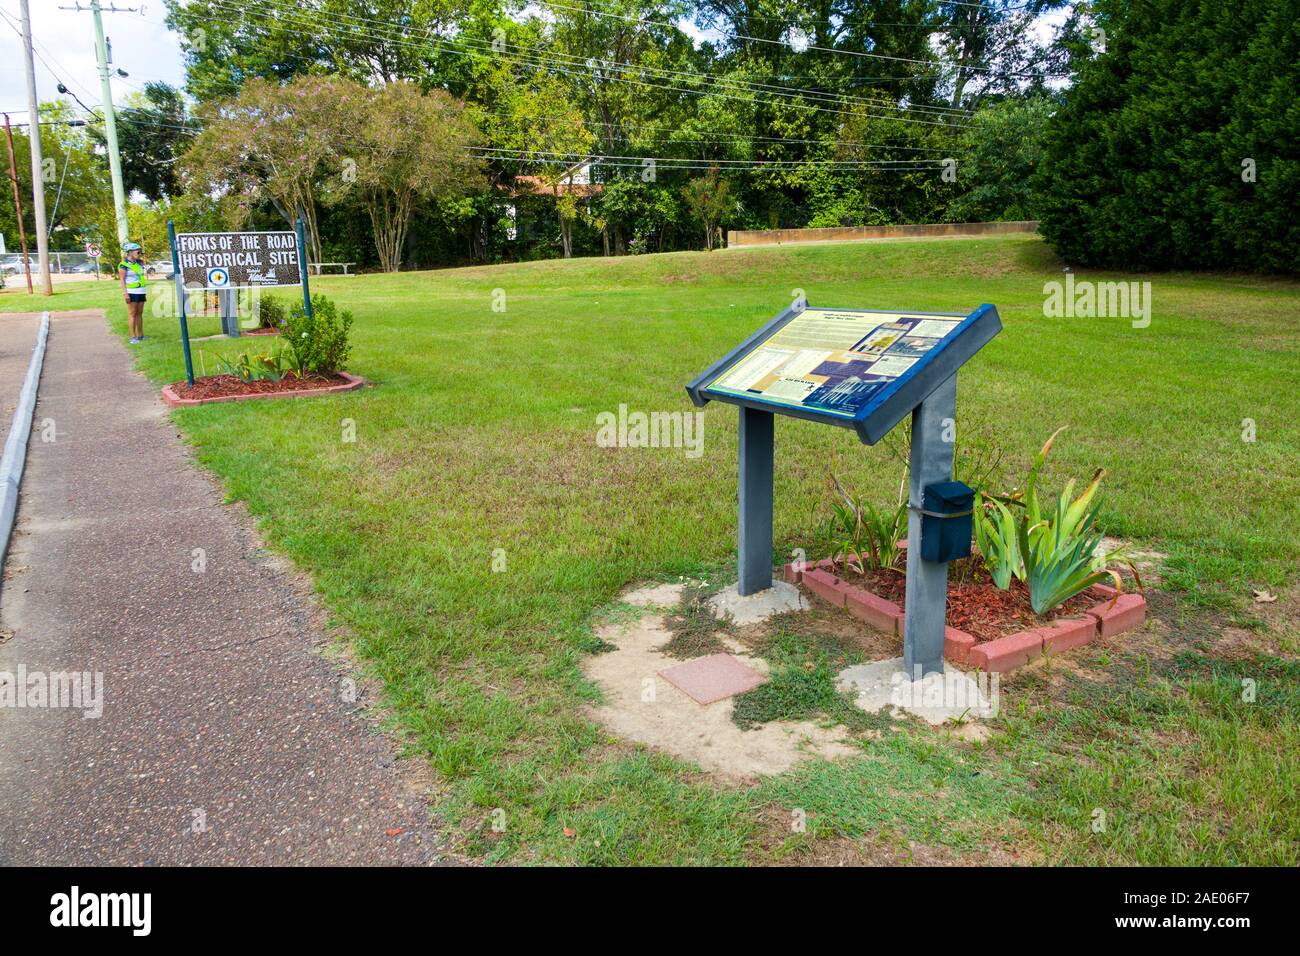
(481, 436)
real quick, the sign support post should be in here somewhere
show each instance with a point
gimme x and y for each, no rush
(757, 430)
(228, 307)
(302, 265)
(180, 303)
(926, 601)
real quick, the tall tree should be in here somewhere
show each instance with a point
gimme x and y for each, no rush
(272, 143)
(228, 43)
(409, 146)
(1176, 146)
(153, 131)
(75, 178)
(550, 133)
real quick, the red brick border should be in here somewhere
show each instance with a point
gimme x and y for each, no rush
(175, 400)
(1113, 615)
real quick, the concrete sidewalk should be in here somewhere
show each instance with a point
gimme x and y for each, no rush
(225, 737)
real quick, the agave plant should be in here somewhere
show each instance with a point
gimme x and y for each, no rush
(1057, 552)
(995, 534)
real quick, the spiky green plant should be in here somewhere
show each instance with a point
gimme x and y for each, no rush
(1056, 552)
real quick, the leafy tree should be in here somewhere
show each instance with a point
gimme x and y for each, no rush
(409, 146)
(75, 179)
(152, 133)
(709, 199)
(1001, 153)
(990, 48)
(275, 144)
(379, 41)
(549, 131)
(1176, 146)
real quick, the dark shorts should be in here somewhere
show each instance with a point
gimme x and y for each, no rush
(135, 296)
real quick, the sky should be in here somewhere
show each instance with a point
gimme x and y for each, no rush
(65, 39)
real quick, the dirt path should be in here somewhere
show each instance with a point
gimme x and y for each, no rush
(225, 737)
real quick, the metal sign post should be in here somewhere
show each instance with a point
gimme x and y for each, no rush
(930, 462)
(865, 370)
(757, 444)
(228, 308)
(180, 303)
(302, 265)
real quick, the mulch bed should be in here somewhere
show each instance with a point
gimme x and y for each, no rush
(223, 386)
(977, 607)
(259, 331)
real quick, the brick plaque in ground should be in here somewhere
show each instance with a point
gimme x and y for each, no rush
(713, 678)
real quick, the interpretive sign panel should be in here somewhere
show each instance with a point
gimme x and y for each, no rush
(846, 366)
(238, 260)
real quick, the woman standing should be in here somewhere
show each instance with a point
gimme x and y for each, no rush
(131, 271)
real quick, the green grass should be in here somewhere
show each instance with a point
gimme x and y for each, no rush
(480, 435)
(1175, 769)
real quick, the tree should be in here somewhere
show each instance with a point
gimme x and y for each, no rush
(991, 48)
(273, 143)
(550, 131)
(152, 133)
(1175, 148)
(75, 179)
(408, 146)
(376, 42)
(709, 199)
(1002, 148)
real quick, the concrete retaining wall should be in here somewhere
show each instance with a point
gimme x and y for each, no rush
(776, 237)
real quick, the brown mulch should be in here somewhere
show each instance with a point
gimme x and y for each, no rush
(219, 386)
(977, 607)
(259, 331)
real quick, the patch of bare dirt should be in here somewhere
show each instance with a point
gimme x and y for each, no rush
(643, 707)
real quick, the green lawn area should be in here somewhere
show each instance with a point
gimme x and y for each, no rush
(480, 435)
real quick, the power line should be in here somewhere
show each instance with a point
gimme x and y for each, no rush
(810, 46)
(691, 73)
(723, 163)
(547, 61)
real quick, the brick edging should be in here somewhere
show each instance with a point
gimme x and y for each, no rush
(1110, 616)
(170, 396)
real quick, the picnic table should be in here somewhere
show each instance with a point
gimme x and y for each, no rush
(345, 266)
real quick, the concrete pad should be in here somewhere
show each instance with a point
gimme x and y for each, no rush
(709, 679)
(640, 705)
(936, 698)
(754, 608)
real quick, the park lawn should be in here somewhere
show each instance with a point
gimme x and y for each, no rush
(478, 441)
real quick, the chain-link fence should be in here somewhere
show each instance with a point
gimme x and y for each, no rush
(74, 264)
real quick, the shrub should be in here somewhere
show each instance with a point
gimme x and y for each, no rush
(1175, 148)
(317, 343)
(270, 312)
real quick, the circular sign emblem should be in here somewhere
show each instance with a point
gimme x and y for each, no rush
(218, 278)
(93, 250)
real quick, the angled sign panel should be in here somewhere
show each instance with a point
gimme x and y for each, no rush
(857, 368)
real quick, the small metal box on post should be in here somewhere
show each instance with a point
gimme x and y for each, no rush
(866, 370)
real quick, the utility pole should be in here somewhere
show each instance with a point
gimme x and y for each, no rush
(18, 205)
(110, 126)
(38, 167)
